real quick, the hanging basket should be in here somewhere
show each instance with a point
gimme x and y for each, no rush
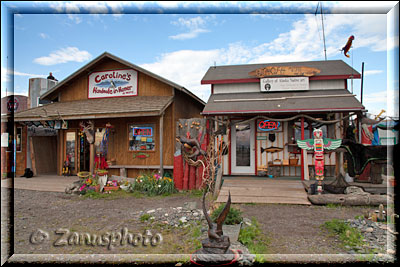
(83, 175)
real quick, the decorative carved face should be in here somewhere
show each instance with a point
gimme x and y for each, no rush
(317, 134)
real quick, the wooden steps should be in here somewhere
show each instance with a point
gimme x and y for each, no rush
(250, 190)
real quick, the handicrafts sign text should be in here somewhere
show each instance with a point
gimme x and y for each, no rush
(284, 84)
(113, 83)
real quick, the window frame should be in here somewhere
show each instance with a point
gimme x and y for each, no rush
(153, 136)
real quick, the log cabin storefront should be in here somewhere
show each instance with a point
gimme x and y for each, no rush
(267, 107)
(129, 112)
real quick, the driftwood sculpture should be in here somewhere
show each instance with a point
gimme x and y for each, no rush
(192, 145)
(88, 130)
(216, 247)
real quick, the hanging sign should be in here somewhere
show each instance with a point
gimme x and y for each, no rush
(284, 71)
(267, 125)
(113, 83)
(284, 84)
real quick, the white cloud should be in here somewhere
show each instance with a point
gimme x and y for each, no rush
(387, 100)
(43, 35)
(64, 55)
(195, 26)
(372, 72)
(6, 73)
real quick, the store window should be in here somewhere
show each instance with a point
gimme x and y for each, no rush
(141, 137)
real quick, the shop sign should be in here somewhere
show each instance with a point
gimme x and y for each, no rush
(267, 125)
(113, 83)
(284, 84)
(142, 131)
(284, 71)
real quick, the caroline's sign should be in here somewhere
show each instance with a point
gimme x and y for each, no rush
(268, 125)
(284, 71)
(113, 83)
(284, 84)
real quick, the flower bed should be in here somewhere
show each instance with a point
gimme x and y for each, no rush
(153, 184)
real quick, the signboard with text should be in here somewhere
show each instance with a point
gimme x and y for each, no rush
(267, 126)
(113, 83)
(284, 84)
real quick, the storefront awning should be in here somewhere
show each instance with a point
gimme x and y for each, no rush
(339, 100)
(98, 108)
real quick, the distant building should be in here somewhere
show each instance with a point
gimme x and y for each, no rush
(9, 134)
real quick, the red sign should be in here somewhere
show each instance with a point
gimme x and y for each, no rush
(142, 131)
(268, 125)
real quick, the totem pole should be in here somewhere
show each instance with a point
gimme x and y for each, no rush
(318, 144)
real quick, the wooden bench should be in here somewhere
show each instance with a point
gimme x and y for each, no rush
(122, 168)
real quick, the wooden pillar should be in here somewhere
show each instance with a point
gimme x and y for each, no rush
(91, 162)
(302, 151)
(92, 151)
(161, 145)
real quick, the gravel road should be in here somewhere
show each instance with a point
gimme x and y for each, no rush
(292, 229)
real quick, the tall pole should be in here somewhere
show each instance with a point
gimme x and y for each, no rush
(362, 81)
(323, 31)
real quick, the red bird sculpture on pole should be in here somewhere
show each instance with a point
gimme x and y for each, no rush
(347, 47)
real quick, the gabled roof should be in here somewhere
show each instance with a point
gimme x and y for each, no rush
(133, 66)
(330, 69)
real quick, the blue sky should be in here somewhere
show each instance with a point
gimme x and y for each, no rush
(181, 40)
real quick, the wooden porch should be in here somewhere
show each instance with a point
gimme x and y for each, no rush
(263, 190)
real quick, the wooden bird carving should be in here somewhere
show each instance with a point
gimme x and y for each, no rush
(215, 230)
(191, 144)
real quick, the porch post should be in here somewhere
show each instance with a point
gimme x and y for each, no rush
(92, 151)
(161, 145)
(302, 151)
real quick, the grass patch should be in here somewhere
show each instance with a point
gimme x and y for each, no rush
(348, 235)
(145, 217)
(333, 206)
(253, 238)
(109, 196)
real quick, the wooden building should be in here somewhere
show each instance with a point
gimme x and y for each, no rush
(141, 107)
(13, 139)
(270, 106)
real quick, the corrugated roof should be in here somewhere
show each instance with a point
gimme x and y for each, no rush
(282, 102)
(238, 72)
(98, 108)
(106, 54)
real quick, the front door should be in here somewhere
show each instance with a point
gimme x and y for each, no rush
(243, 150)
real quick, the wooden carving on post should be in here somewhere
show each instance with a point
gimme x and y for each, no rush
(318, 144)
(88, 130)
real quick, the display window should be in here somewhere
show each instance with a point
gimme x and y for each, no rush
(141, 137)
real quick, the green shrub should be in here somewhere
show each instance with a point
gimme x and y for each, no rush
(145, 217)
(234, 215)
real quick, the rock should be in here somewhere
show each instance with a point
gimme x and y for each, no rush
(166, 214)
(369, 230)
(151, 211)
(195, 214)
(183, 219)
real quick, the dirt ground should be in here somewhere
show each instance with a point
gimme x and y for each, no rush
(292, 229)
